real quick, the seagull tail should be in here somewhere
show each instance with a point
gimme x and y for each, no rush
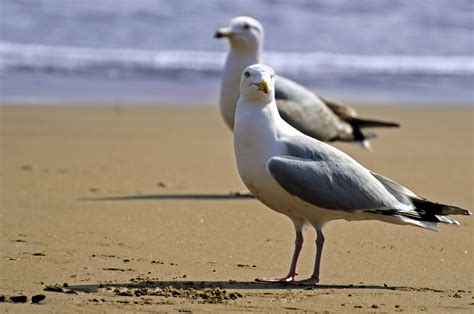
(418, 223)
(366, 145)
(350, 116)
(360, 123)
(428, 214)
(426, 207)
(362, 137)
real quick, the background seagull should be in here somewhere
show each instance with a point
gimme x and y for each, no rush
(312, 182)
(318, 117)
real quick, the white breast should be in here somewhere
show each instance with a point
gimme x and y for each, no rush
(253, 147)
(255, 142)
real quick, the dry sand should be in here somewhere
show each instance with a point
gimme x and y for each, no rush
(115, 203)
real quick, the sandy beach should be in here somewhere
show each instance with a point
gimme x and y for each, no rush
(130, 208)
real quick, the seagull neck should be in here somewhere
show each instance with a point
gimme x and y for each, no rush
(250, 49)
(257, 129)
(236, 62)
(249, 56)
(270, 110)
(265, 110)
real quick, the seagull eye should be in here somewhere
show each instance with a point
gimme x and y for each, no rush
(272, 76)
(247, 74)
(246, 26)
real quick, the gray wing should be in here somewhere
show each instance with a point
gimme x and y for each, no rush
(322, 118)
(341, 110)
(289, 90)
(305, 111)
(327, 178)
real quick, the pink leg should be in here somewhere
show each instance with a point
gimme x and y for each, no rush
(293, 272)
(314, 279)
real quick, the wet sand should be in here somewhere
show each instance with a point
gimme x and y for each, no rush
(130, 209)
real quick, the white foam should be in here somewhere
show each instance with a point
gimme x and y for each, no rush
(30, 57)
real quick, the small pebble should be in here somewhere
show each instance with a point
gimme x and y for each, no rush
(26, 168)
(37, 298)
(19, 299)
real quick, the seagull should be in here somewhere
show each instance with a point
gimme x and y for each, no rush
(322, 118)
(310, 181)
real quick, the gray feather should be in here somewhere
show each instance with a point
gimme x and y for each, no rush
(400, 192)
(308, 113)
(327, 178)
(321, 118)
(314, 122)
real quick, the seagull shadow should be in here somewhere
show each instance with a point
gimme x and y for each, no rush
(192, 196)
(238, 285)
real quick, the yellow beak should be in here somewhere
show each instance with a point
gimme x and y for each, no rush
(263, 86)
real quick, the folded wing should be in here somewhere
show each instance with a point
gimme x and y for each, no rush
(324, 177)
(322, 118)
(334, 186)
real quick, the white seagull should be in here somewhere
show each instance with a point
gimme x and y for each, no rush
(310, 181)
(318, 117)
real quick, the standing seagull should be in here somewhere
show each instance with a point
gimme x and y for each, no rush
(310, 181)
(321, 118)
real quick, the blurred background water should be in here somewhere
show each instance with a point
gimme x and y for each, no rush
(163, 51)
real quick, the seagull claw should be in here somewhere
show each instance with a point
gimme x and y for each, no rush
(312, 281)
(289, 278)
(242, 193)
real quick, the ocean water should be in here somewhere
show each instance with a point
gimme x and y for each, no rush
(163, 52)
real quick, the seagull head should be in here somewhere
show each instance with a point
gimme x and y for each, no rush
(244, 33)
(257, 83)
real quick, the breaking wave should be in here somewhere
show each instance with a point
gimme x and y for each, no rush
(131, 62)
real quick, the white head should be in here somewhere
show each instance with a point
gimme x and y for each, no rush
(257, 83)
(244, 34)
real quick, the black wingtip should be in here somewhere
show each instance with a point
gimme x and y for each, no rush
(439, 209)
(368, 123)
(454, 210)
